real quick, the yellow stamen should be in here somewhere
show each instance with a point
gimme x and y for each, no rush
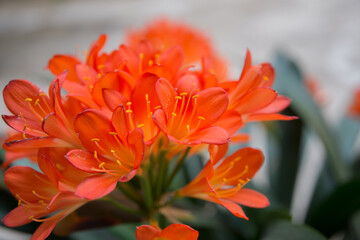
(42, 94)
(101, 164)
(141, 55)
(183, 94)
(95, 139)
(266, 78)
(140, 125)
(157, 107)
(174, 114)
(178, 97)
(113, 133)
(128, 111)
(28, 99)
(151, 63)
(201, 118)
(37, 101)
(195, 96)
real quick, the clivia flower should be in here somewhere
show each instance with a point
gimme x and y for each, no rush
(222, 180)
(174, 231)
(354, 108)
(113, 151)
(45, 198)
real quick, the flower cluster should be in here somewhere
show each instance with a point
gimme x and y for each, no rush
(127, 114)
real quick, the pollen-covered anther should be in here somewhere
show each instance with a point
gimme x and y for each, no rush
(183, 94)
(37, 102)
(157, 107)
(201, 118)
(95, 155)
(224, 180)
(151, 62)
(42, 95)
(112, 150)
(265, 78)
(59, 167)
(174, 114)
(128, 111)
(95, 139)
(178, 97)
(28, 99)
(141, 56)
(195, 96)
(101, 164)
(113, 133)
(118, 162)
(141, 125)
(101, 66)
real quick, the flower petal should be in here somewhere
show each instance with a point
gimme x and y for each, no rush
(255, 100)
(249, 198)
(61, 63)
(83, 160)
(44, 230)
(166, 94)
(96, 186)
(178, 231)
(146, 232)
(210, 135)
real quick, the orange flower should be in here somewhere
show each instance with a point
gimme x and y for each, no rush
(172, 232)
(114, 153)
(41, 195)
(163, 34)
(355, 105)
(187, 116)
(222, 181)
(41, 120)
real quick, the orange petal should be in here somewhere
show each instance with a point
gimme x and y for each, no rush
(244, 84)
(178, 231)
(113, 98)
(83, 160)
(186, 83)
(44, 230)
(53, 126)
(95, 49)
(91, 136)
(17, 217)
(234, 209)
(36, 142)
(61, 63)
(256, 100)
(268, 117)
(120, 123)
(279, 104)
(166, 94)
(250, 198)
(212, 103)
(146, 232)
(172, 58)
(96, 186)
(210, 135)
(247, 64)
(217, 152)
(136, 141)
(231, 121)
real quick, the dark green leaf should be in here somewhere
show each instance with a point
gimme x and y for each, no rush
(284, 230)
(289, 82)
(335, 212)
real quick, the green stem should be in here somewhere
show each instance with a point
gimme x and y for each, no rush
(147, 193)
(161, 175)
(129, 192)
(120, 206)
(179, 164)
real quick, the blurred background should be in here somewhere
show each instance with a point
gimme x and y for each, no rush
(322, 37)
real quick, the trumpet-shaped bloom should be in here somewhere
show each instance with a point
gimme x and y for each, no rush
(114, 152)
(187, 116)
(37, 198)
(172, 232)
(222, 180)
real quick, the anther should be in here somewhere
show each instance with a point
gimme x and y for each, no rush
(42, 94)
(128, 103)
(151, 63)
(28, 99)
(183, 94)
(266, 78)
(174, 114)
(101, 66)
(98, 75)
(201, 118)
(141, 55)
(95, 139)
(157, 107)
(118, 162)
(128, 111)
(31, 217)
(37, 101)
(95, 155)
(224, 180)
(113, 133)
(195, 96)
(188, 127)
(140, 125)
(178, 97)
(147, 97)
(101, 164)
(112, 150)
(59, 167)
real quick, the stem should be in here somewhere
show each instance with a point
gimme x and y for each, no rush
(147, 194)
(120, 206)
(179, 164)
(129, 192)
(161, 175)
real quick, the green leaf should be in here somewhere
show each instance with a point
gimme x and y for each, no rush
(354, 228)
(335, 212)
(284, 230)
(289, 82)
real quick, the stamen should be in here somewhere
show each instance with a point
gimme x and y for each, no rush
(157, 107)
(183, 94)
(101, 66)
(37, 101)
(129, 104)
(28, 99)
(101, 164)
(42, 94)
(266, 78)
(59, 167)
(151, 63)
(174, 114)
(95, 139)
(140, 125)
(95, 155)
(201, 118)
(141, 56)
(178, 97)
(113, 133)
(195, 96)
(128, 111)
